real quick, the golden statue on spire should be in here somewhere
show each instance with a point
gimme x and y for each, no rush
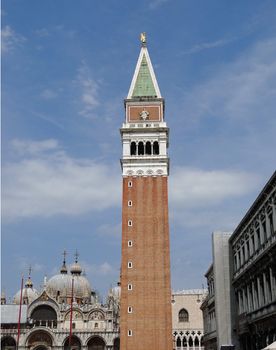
(143, 38)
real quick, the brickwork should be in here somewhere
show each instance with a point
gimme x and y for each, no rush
(150, 297)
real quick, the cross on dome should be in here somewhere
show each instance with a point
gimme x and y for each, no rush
(76, 256)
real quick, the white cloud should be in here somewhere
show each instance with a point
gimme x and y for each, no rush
(205, 46)
(200, 198)
(42, 32)
(46, 182)
(110, 230)
(10, 39)
(31, 147)
(244, 89)
(24, 264)
(89, 91)
(156, 3)
(56, 184)
(202, 188)
(48, 94)
(103, 269)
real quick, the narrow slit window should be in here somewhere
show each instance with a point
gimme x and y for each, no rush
(130, 333)
(130, 184)
(129, 203)
(129, 243)
(129, 286)
(129, 265)
(129, 310)
(129, 223)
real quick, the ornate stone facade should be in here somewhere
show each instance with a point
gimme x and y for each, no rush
(253, 250)
(248, 257)
(45, 320)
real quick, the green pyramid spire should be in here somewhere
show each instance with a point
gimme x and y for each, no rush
(144, 84)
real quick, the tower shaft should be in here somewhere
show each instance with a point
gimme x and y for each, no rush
(145, 316)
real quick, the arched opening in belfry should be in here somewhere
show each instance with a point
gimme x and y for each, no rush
(141, 150)
(8, 343)
(148, 148)
(133, 148)
(155, 147)
(96, 343)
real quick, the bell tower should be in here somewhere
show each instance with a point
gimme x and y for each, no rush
(145, 316)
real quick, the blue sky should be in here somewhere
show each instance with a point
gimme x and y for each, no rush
(67, 66)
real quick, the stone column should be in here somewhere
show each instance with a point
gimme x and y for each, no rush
(268, 233)
(244, 300)
(254, 296)
(274, 215)
(261, 231)
(266, 299)
(240, 303)
(273, 284)
(249, 307)
(260, 298)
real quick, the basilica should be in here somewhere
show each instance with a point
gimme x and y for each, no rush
(48, 314)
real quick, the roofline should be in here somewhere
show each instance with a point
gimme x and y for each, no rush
(261, 197)
(209, 270)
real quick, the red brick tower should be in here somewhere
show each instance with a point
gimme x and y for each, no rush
(146, 321)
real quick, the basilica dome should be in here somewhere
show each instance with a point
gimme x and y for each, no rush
(29, 294)
(60, 285)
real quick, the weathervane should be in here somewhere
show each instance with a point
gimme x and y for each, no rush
(143, 39)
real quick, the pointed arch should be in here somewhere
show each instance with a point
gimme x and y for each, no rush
(183, 315)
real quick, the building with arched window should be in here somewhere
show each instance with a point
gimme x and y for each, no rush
(187, 319)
